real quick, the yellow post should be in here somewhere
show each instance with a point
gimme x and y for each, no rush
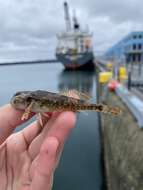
(104, 77)
(122, 73)
(110, 66)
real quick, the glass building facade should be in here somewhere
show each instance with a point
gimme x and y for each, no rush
(129, 49)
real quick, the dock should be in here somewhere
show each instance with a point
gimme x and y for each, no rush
(122, 136)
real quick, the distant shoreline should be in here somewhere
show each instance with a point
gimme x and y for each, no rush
(29, 62)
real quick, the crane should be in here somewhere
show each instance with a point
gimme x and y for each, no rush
(67, 16)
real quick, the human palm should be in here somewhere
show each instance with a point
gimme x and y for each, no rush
(28, 158)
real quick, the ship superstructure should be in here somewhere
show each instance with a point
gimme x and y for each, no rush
(74, 48)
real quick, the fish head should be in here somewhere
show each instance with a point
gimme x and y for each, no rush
(21, 100)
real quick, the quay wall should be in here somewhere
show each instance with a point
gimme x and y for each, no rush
(123, 148)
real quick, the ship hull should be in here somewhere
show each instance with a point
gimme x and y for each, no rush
(83, 61)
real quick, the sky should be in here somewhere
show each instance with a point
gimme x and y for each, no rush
(28, 28)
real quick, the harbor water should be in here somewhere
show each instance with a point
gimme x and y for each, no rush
(80, 166)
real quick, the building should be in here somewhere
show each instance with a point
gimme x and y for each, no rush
(129, 49)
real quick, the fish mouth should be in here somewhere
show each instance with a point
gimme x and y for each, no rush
(18, 102)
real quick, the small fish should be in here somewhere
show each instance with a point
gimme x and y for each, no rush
(41, 101)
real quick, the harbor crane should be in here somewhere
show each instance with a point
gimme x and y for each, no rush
(67, 16)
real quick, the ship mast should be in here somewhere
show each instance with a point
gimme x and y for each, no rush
(67, 16)
(75, 21)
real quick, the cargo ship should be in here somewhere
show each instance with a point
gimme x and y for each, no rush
(74, 48)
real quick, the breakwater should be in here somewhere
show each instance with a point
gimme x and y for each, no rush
(29, 62)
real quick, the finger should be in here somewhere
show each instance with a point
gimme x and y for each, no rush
(9, 120)
(31, 132)
(59, 127)
(61, 130)
(35, 145)
(19, 142)
(43, 175)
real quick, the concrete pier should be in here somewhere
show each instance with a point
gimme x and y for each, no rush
(123, 148)
(122, 144)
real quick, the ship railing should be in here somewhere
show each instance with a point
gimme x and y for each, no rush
(70, 53)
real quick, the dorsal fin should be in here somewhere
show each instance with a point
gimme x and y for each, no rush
(76, 94)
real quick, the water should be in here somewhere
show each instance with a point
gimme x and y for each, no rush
(80, 163)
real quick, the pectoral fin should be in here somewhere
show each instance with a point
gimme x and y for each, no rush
(27, 112)
(43, 118)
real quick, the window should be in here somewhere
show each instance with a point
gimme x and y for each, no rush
(134, 36)
(134, 46)
(140, 36)
(139, 57)
(134, 57)
(140, 46)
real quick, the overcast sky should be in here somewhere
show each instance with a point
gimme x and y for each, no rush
(29, 27)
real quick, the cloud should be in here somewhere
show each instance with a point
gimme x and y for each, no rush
(116, 11)
(110, 20)
(32, 25)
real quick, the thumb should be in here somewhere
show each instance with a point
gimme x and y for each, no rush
(45, 167)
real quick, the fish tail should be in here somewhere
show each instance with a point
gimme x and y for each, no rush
(100, 108)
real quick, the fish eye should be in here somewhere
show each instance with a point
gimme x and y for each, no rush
(15, 101)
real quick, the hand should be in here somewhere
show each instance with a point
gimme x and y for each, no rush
(28, 158)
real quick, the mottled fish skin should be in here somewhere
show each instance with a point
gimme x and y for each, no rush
(44, 101)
